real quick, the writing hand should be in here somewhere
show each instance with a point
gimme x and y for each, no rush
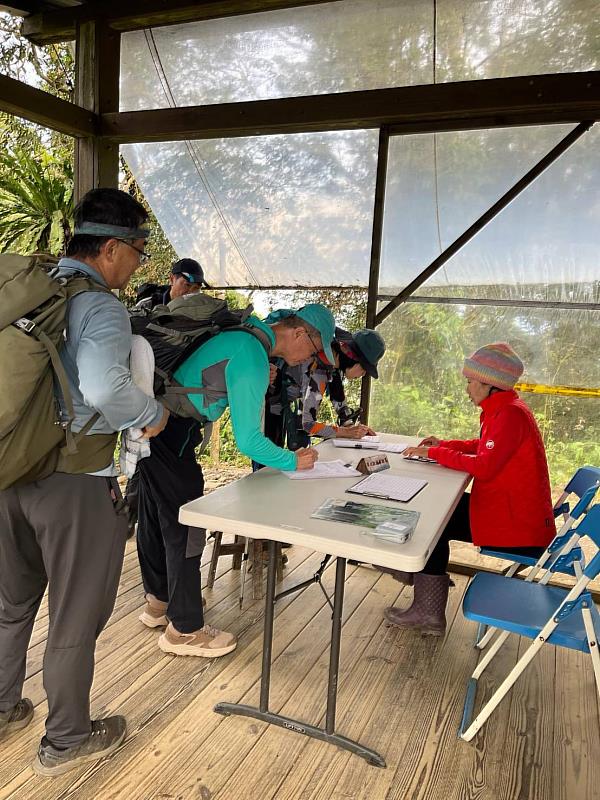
(306, 457)
(354, 431)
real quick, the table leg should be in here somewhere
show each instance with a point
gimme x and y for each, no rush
(265, 680)
(336, 638)
(297, 726)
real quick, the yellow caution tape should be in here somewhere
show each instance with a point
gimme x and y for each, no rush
(572, 391)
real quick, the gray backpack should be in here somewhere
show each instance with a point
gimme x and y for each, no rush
(177, 330)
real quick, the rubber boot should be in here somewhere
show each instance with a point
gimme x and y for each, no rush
(397, 574)
(428, 610)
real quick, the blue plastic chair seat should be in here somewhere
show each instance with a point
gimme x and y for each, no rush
(525, 609)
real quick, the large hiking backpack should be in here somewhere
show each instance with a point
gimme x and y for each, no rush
(177, 330)
(33, 437)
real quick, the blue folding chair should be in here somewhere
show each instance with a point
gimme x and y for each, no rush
(545, 614)
(561, 555)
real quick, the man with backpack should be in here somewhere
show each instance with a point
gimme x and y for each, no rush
(62, 523)
(187, 276)
(229, 369)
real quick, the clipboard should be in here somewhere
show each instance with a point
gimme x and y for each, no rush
(388, 487)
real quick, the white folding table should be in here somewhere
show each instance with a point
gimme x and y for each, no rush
(267, 505)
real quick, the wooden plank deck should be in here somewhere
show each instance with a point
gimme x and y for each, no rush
(399, 693)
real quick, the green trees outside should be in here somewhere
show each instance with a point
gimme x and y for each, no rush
(36, 201)
(36, 165)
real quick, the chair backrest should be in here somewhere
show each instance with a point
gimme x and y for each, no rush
(585, 501)
(590, 527)
(582, 480)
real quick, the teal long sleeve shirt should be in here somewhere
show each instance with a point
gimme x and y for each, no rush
(233, 370)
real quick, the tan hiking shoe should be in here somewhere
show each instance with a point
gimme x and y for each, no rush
(105, 737)
(208, 642)
(153, 615)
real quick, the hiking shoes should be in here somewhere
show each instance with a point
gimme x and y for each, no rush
(153, 615)
(19, 716)
(105, 737)
(208, 642)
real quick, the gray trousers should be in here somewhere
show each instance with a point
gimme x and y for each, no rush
(64, 532)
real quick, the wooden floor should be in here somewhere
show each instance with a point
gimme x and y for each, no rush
(399, 693)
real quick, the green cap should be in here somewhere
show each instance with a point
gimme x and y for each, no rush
(370, 348)
(316, 315)
(322, 319)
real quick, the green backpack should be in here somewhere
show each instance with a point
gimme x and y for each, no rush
(34, 441)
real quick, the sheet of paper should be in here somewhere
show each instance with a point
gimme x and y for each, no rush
(323, 469)
(392, 448)
(389, 487)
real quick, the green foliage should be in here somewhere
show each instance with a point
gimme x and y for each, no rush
(36, 201)
(228, 453)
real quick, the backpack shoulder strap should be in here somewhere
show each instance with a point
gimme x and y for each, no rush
(262, 336)
(80, 282)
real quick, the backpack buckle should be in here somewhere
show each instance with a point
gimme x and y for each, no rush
(24, 324)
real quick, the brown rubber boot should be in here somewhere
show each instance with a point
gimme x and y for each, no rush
(428, 610)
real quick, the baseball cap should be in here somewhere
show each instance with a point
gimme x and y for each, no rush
(191, 271)
(369, 348)
(322, 319)
(366, 347)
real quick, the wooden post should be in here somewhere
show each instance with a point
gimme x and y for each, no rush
(97, 89)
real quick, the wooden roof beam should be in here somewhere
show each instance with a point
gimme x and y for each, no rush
(538, 99)
(131, 15)
(24, 7)
(43, 108)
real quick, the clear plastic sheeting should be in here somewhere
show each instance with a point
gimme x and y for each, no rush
(544, 246)
(332, 47)
(421, 390)
(478, 39)
(266, 211)
(352, 45)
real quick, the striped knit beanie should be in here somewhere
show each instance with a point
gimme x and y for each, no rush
(494, 364)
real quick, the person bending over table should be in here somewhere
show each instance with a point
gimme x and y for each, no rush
(232, 369)
(509, 507)
(296, 393)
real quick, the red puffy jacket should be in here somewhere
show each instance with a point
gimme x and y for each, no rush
(510, 498)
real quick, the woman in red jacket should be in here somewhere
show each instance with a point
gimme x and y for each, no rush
(509, 507)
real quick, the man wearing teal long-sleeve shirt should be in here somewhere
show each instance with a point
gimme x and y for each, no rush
(232, 368)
